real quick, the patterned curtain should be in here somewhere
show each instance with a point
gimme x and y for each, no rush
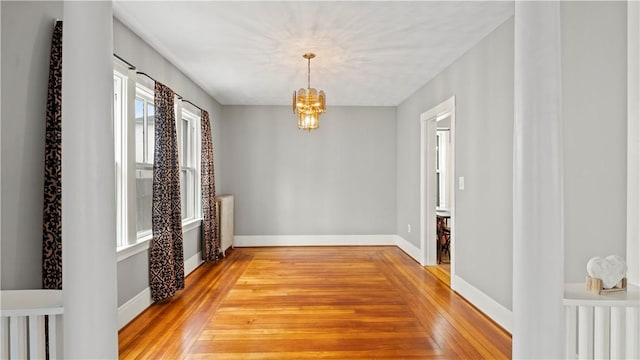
(210, 238)
(52, 206)
(166, 259)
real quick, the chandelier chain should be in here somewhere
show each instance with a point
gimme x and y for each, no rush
(309, 73)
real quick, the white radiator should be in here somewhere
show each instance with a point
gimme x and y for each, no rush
(224, 204)
(602, 326)
(24, 314)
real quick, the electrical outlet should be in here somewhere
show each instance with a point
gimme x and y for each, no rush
(408, 228)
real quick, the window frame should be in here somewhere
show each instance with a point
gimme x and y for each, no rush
(143, 92)
(192, 167)
(128, 241)
(121, 78)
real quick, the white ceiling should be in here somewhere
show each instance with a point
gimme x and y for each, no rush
(368, 53)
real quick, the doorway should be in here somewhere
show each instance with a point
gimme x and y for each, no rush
(437, 192)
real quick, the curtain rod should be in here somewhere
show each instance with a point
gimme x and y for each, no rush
(132, 67)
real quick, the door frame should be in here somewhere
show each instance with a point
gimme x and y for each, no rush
(428, 126)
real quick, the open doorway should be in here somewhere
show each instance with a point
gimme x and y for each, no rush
(437, 195)
(443, 191)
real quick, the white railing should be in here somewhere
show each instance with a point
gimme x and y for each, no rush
(602, 326)
(24, 314)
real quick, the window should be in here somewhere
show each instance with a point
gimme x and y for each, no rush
(144, 144)
(442, 168)
(189, 141)
(134, 129)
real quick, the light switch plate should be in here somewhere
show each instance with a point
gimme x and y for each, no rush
(461, 183)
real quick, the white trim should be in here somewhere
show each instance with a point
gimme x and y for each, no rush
(192, 263)
(139, 303)
(498, 313)
(134, 307)
(409, 248)
(131, 250)
(328, 240)
(128, 251)
(427, 189)
(190, 224)
(313, 240)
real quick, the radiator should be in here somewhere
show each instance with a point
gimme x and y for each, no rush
(601, 326)
(24, 314)
(224, 207)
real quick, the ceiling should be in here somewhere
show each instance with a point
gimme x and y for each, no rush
(368, 53)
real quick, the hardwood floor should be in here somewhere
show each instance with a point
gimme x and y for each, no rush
(314, 303)
(442, 272)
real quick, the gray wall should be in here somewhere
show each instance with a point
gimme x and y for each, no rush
(26, 42)
(482, 82)
(133, 274)
(336, 180)
(594, 81)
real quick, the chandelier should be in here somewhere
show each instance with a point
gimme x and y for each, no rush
(308, 103)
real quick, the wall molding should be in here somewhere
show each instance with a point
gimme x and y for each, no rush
(313, 240)
(498, 313)
(329, 240)
(139, 303)
(409, 249)
(192, 263)
(134, 307)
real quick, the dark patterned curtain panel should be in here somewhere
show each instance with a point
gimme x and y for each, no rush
(166, 258)
(210, 236)
(52, 207)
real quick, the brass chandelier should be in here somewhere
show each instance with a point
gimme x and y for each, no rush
(308, 103)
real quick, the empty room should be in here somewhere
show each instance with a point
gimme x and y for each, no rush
(320, 179)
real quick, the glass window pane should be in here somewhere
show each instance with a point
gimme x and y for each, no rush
(185, 143)
(150, 132)
(144, 191)
(139, 130)
(192, 143)
(183, 193)
(192, 193)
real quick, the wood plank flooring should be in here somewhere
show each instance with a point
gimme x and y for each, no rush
(442, 272)
(314, 303)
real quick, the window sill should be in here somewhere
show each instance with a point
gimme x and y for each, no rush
(190, 224)
(128, 251)
(144, 243)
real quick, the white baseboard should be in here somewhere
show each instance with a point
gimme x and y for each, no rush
(192, 263)
(139, 303)
(327, 240)
(498, 313)
(409, 248)
(313, 240)
(134, 307)
(482, 301)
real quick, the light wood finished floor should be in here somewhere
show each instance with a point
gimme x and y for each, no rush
(442, 272)
(314, 303)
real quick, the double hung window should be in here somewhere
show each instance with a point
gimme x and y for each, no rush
(189, 164)
(134, 130)
(144, 146)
